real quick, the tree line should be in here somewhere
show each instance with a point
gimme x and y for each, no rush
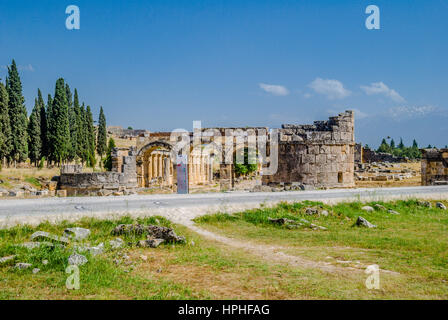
(400, 150)
(59, 131)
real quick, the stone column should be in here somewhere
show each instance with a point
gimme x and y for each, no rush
(154, 165)
(160, 165)
(165, 167)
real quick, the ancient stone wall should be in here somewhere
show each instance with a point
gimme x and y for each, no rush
(320, 155)
(369, 156)
(434, 167)
(122, 178)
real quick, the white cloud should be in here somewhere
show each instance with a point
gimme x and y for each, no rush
(273, 89)
(358, 113)
(412, 111)
(333, 89)
(381, 88)
(28, 67)
(307, 95)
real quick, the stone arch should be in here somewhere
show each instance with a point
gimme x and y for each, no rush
(155, 164)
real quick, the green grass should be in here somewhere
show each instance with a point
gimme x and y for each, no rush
(34, 181)
(414, 243)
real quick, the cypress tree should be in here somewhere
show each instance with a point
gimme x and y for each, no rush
(43, 124)
(102, 134)
(414, 144)
(5, 127)
(108, 159)
(83, 135)
(60, 137)
(50, 129)
(401, 144)
(79, 127)
(34, 136)
(72, 124)
(17, 115)
(90, 132)
(392, 144)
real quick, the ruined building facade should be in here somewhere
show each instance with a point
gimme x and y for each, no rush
(434, 167)
(319, 155)
(122, 178)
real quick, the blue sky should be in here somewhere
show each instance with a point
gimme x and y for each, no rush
(160, 65)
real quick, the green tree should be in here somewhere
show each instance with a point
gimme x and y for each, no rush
(91, 138)
(43, 124)
(50, 128)
(60, 129)
(72, 117)
(102, 134)
(401, 144)
(392, 144)
(384, 147)
(17, 115)
(243, 169)
(108, 160)
(34, 136)
(80, 140)
(5, 127)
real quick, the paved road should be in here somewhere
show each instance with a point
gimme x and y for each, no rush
(182, 208)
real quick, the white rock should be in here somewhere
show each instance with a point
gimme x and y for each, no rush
(368, 208)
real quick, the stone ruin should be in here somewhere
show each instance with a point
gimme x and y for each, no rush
(318, 155)
(368, 156)
(121, 180)
(434, 167)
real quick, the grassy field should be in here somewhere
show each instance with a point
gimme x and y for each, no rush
(412, 244)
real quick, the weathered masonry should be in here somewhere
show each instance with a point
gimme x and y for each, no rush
(434, 167)
(317, 155)
(122, 178)
(320, 155)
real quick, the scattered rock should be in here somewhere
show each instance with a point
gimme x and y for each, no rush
(156, 232)
(32, 245)
(45, 236)
(6, 259)
(77, 233)
(116, 243)
(44, 262)
(361, 222)
(380, 207)
(36, 270)
(393, 212)
(324, 213)
(99, 249)
(23, 265)
(77, 259)
(368, 209)
(440, 205)
(150, 243)
(281, 221)
(143, 257)
(316, 227)
(311, 211)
